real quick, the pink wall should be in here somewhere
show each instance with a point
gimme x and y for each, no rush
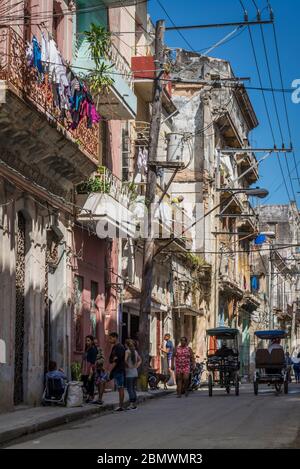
(90, 266)
(42, 20)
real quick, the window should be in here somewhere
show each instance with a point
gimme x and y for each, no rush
(125, 153)
(94, 294)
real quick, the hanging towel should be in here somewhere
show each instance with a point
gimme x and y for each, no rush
(145, 159)
(29, 54)
(140, 160)
(37, 55)
(45, 51)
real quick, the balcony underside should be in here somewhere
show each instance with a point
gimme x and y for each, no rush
(187, 310)
(109, 217)
(250, 302)
(35, 144)
(119, 102)
(144, 88)
(229, 288)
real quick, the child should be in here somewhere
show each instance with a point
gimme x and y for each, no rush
(101, 376)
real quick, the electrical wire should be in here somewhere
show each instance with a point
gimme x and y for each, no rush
(284, 99)
(49, 14)
(276, 108)
(186, 41)
(267, 110)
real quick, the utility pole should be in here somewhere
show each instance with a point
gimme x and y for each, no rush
(217, 256)
(271, 319)
(149, 243)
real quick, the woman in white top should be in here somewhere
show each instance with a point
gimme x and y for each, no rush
(132, 362)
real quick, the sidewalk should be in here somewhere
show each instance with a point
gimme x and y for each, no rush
(22, 422)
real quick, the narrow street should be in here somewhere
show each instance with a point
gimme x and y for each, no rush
(223, 421)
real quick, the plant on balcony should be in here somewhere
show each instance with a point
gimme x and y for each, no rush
(94, 184)
(132, 190)
(196, 262)
(99, 41)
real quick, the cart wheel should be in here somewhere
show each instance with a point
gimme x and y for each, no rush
(210, 385)
(286, 387)
(278, 387)
(255, 386)
(237, 386)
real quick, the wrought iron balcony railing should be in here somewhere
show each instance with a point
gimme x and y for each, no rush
(24, 82)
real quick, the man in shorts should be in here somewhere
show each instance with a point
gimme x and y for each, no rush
(168, 351)
(117, 373)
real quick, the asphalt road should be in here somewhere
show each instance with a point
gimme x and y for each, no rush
(196, 421)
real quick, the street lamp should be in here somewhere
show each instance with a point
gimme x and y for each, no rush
(255, 192)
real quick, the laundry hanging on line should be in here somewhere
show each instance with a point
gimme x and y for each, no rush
(70, 94)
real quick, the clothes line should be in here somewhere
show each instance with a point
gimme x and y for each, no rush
(70, 93)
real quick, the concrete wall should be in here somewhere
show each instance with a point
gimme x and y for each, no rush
(34, 314)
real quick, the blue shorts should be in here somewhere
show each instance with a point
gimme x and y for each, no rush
(119, 379)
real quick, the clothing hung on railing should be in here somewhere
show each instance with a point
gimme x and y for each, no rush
(69, 93)
(142, 160)
(36, 51)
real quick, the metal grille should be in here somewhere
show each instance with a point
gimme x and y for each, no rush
(46, 317)
(51, 262)
(20, 303)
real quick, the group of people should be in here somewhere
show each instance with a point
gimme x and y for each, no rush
(124, 361)
(180, 363)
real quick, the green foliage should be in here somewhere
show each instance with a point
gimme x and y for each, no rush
(132, 189)
(76, 371)
(94, 184)
(195, 261)
(99, 40)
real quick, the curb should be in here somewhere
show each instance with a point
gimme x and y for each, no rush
(77, 414)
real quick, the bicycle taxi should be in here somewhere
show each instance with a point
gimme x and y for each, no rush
(270, 367)
(223, 359)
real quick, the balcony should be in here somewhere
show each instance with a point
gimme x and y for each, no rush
(249, 221)
(247, 162)
(32, 127)
(230, 287)
(108, 207)
(143, 69)
(169, 220)
(250, 302)
(119, 102)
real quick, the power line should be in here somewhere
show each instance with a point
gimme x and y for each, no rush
(49, 14)
(284, 98)
(267, 110)
(276, 108)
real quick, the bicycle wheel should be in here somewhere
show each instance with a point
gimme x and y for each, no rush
(210, 385)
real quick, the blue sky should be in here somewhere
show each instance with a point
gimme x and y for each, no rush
(239, 52)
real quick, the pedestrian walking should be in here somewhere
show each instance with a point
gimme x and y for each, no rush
(168, 350)
(289, 363)
(183, 361)
(117, 373)
(132, 363)
(88, 368)
(296, 368)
